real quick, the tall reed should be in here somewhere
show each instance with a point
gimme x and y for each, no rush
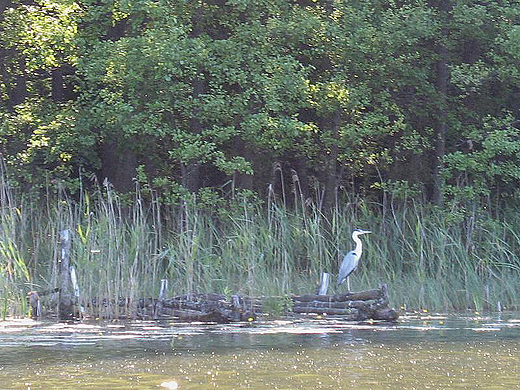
(122, 249)
(13, 243)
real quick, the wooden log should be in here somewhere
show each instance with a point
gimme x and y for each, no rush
(216, 314)
(216, 309)
(190, 305)
(326, 310)
(386, 314)
(352, 306)
(361, 311)
(350, 296)
(200, 297)
(185, 315)
(65, 300)
(383, 314)
(331, 305)
(372, 304)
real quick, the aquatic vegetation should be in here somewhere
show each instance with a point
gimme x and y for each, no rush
(122, 250)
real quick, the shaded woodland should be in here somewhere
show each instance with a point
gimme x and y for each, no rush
(303, 100)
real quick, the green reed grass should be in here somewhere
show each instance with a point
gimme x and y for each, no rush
(430, 259)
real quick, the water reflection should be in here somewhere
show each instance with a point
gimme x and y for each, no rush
(421, 351)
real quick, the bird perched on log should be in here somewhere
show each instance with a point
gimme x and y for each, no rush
(351, 259)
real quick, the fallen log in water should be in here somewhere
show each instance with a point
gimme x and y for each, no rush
(357, 306)
(352, 306)
(198, 307)
(211, 307)
(350, 296)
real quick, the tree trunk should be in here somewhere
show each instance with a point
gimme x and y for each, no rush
(190, 176)
(118, 165)
(61, 88)
(16, 84)
(190, 170)
(441, 87)
(58, 94)
(241, 148)
(331, 125)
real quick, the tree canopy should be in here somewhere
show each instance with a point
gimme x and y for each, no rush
(212, 96)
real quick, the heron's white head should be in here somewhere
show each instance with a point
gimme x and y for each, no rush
(359, 232)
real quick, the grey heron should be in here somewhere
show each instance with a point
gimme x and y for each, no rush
(351, 259)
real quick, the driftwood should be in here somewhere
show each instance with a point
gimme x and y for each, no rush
(211, 307)
(207, 307)
(351, 306)
(357, 306)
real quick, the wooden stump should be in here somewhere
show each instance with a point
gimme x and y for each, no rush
(35, 304)
(65, 300)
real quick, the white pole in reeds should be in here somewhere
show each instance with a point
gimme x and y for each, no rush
(324, 283)
(65, 305)
(162, 294)
(75, 286)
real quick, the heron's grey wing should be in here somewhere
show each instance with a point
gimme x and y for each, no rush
(348, 265)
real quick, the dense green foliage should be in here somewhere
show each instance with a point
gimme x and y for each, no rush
(307, 104)
(198, 96)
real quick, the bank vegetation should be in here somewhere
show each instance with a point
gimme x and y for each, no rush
(233, 146)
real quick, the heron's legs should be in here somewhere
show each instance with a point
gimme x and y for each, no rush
(348, 283)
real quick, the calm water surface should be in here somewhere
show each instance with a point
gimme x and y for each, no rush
(423, 351)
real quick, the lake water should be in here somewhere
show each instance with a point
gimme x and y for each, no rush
(422, 351)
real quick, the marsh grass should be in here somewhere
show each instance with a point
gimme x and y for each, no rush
(430, 259)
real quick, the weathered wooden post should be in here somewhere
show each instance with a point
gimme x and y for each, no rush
(160, 301)
(75, 287)
(324, 283)
(65, 302)
(36, 308)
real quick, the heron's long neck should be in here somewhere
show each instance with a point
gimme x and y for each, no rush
(359, 245)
